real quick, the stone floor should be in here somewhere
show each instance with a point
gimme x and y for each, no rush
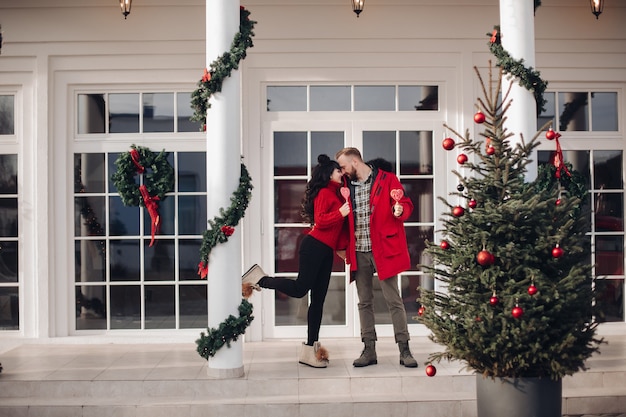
(170, 379)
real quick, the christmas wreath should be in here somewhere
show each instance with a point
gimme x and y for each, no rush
(223, 226)
(157, 179)
(528, 78)
(221, 68)
(227, 332)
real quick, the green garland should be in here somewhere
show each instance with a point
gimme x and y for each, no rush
(222, 226)
(528, 77)
(158, 175)
(221, 68)
(227, 332)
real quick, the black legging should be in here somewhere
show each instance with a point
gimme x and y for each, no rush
(315, 266)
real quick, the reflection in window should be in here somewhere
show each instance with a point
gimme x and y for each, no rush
(573, 111)
(416, 153)
(286, 98)
(158, 112)
(330, 98)
(610, 300)
(604, 112)
(290, 153)
(9, 244)
(124, 113)
(380, 144)
(325, 143)
(7, 115)
(374, 98)
(415, 97)
(549, 114)
(184, 113)
(91, 113)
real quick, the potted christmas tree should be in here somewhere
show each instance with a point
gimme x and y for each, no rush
(516, 304)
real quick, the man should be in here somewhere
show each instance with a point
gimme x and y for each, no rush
(377, 244)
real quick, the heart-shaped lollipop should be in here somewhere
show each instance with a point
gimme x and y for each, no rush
(397, 194)
(345, 192)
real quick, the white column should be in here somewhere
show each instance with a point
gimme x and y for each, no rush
(517, 25)
(223, 171)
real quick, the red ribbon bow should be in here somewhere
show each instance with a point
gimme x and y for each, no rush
(558, 160)
(206, 77)
(203, 269)
(494, 36)
(153, 208)
(134, 155)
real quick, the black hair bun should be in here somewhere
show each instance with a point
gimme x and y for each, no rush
(323, 159)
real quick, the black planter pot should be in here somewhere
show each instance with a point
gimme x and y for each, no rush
(518, 397)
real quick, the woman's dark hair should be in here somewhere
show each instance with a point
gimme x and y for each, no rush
(319, 179)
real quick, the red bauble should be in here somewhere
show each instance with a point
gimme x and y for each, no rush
(558, 202)
(461, 159)
(472, 203)
(431, 370)
(458, 211)
(532, 290)
(517, 312)
(444, 244)
(420, 311)
(550, 134)
(479, 117)
(448, 144)
(557, 252)
(485, 258)
(494, 300)
(491, 150)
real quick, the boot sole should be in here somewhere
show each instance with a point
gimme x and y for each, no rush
(374, 362)
(408, 366)
(312, 366)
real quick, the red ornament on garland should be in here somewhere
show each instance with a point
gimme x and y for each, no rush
(557, 252)
(448, 144)
(420, 311)
(444, 245)
(228, 230)
(558, 202)
(472, 203)
(517, 311)
(461, 159)
(550, 134)
(485, 258)
(479, 117)
(491, 150)
(458, 211)
(431, 370)
(532, 290)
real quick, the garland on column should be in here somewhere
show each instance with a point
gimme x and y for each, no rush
(158, 180)
(221, 68)
(227, 332)
(528, 77)
(223, 226)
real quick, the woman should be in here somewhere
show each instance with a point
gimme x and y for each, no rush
(323, 207)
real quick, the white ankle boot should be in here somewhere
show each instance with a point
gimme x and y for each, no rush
(315, 356)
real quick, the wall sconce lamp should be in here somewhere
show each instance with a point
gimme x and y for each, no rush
(125, 6)
(596, 7)
(357, 6)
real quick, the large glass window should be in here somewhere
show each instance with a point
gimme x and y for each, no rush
(7, 114)
(580, 111)
(603, 170)
(141, 112)
(352, 98)
(9, 288)
(121, 282)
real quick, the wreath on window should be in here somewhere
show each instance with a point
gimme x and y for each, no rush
(156, 179)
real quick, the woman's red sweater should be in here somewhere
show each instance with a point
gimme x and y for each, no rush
(330, 226)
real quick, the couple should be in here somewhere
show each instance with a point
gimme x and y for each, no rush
(371, 240)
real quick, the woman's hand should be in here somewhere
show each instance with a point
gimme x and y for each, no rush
(345, 209)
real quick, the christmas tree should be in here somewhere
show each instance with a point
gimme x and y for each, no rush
(517, 294)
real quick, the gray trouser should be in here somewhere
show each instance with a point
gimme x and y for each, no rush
(364, 287)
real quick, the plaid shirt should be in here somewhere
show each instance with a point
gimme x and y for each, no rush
(362, 214)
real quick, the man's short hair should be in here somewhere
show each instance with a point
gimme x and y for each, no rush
(349, 151)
